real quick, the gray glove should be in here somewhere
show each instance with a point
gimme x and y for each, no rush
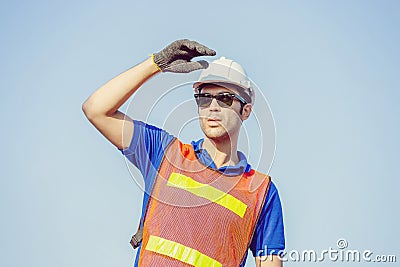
(176, 56)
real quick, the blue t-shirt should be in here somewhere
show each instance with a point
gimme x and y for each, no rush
(146, 152)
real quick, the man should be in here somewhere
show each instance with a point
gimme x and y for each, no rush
(205, 204)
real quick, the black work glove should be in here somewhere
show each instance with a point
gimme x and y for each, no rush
(176, 56)
(137, 238)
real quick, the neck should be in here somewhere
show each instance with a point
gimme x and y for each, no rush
(223, 152)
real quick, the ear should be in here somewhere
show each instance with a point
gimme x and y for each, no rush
(246, 111)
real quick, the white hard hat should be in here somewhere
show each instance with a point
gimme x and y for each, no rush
(227, 72)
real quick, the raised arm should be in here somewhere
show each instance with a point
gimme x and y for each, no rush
(101, 108)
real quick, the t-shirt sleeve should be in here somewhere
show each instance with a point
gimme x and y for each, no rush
(147, 147)
(269, 238)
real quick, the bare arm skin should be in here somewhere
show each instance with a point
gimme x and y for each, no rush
(101, 108)
(262, 262)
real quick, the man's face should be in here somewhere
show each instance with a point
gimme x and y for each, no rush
(219, 123)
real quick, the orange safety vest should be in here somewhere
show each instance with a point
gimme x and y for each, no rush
(197, 216)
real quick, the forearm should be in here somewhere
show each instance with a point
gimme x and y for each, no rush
(101, 108)
(106, 100)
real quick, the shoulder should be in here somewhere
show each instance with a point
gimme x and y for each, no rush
(147, 141)
(272, 188)
(272, 198)
(144, 126)
(150, 133)
(272, 203)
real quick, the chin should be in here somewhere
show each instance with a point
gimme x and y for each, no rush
(216, 134)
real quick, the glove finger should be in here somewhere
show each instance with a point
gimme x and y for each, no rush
(176, 47)
(204, 50)
(185, 67)
(201, 50)
(181, 53)
(204, 64)
(179, 43)
(188, 44)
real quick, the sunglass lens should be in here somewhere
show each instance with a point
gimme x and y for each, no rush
(203, 101)
(224, 100)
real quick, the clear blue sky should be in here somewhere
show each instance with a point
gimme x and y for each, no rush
(329, 70)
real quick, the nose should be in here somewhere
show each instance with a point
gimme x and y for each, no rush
(214, 106)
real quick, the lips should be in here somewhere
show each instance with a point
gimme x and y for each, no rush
(214, 121)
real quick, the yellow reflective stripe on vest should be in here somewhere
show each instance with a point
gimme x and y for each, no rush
(208, 192)
(180, 252)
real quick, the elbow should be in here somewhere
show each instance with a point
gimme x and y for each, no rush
(88, 110)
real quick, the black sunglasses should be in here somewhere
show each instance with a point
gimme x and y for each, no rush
(223, 99)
